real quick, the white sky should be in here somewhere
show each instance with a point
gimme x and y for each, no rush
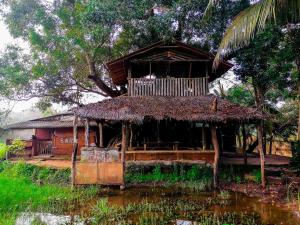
(5, 39)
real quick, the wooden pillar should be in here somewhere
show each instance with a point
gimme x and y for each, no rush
(261, 153)
(87, 133)
(131, 136)
(100, 127)
(244, 144)
(75, 149)
(214, 137)
(204, 144)
(123, 150)
(217, 155)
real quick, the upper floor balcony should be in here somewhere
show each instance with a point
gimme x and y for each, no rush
(177, 87)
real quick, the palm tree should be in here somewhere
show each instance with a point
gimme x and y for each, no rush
(251, 21)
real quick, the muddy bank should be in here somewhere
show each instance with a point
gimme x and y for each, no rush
(280, 192)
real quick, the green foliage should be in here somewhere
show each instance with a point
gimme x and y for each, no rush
(257, 174)
(191, 177)
(16, 146)
(35, 173)
(3, 150)
(240, 95)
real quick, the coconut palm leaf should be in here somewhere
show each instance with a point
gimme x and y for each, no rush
(252, 20)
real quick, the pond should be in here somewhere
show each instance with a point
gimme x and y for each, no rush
(147, 205)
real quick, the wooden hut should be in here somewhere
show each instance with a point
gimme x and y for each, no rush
(167, 114)
(52, 135)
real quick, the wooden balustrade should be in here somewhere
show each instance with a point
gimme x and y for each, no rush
(167, 86)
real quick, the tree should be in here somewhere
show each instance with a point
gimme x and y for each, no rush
(71, 40)
(252, 20)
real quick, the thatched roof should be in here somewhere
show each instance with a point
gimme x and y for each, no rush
(201, 108)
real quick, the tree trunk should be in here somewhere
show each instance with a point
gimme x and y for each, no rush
(75, 149)
(123, 150)
(261, 153)
(298, 84)
(96, 78)
(217, 155)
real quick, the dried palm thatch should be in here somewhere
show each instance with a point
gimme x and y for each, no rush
(136, 109)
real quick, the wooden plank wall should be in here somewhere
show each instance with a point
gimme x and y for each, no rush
(168, 86)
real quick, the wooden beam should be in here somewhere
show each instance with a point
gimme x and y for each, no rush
(100, 127)
(123, 150)
(261, 154)
(87, 133)
(217, 155)
(75, 149)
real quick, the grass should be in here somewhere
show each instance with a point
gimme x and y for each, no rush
(195, 178)
(30, 188)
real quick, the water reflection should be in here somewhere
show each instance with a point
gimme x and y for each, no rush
(47, 219)
(238, 203)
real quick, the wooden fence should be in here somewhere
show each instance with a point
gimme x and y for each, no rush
(167, 86)
(44, 147)
(99, 167)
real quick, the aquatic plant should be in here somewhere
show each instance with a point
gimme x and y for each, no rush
(166, 211)
(224, 194)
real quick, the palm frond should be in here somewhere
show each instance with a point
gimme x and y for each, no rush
(211, 4)
(252, 20)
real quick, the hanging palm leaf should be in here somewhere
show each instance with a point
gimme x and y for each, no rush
(252, 20)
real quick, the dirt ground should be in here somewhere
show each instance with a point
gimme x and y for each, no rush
(51, 163)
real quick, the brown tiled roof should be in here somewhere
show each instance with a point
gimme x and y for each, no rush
(57, 121)
(129, 108)
(118, 67)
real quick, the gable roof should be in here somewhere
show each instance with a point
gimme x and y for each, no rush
(175, 50)
(63, 120)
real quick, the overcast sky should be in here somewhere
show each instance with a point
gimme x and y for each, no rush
(5, 39)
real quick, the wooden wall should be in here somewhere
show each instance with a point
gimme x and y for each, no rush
(63, 140)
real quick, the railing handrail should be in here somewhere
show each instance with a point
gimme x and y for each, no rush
(168, 86)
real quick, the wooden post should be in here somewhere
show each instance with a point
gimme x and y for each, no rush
(123, 150)
(217, 154)
(87, 133)
(190, 70)
(261, 153)
(75, 149)
(244, 144)
(204, 147)
(215, 143)
(131, 136)
(100, 126)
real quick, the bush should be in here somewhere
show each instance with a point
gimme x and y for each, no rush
(3, 150)
(16, 146)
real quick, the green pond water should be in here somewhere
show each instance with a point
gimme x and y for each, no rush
(146, 205)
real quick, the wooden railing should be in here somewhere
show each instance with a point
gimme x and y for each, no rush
(167, 86)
